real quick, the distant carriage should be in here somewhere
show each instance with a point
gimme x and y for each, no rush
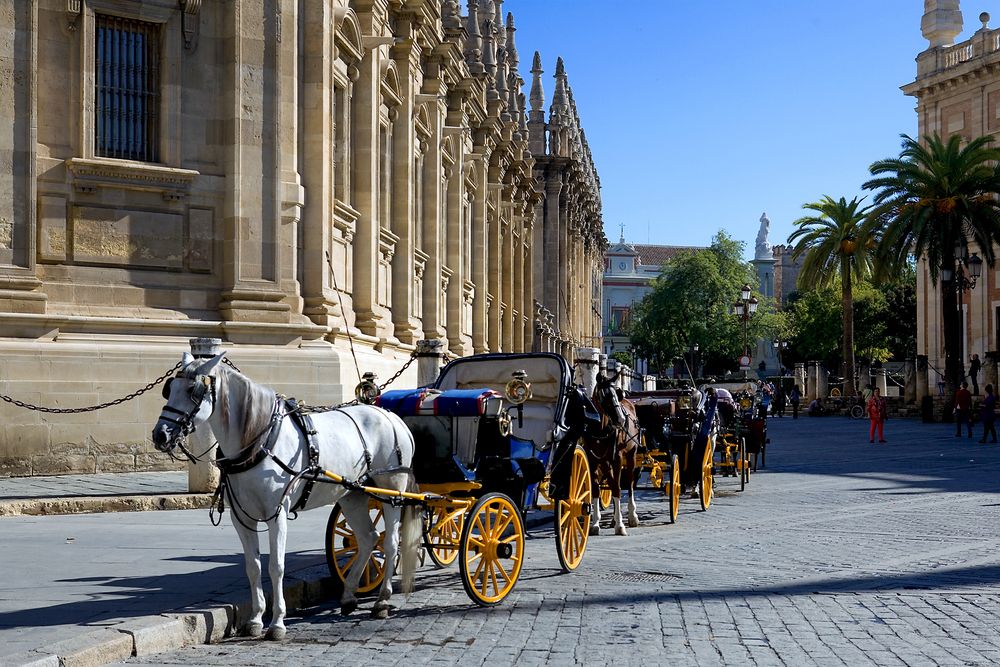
(679, 435)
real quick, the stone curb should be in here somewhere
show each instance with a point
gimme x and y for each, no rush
(97, 504)
(149, 635)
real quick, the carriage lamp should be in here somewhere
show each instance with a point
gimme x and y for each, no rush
(367, 391)
(518, 390)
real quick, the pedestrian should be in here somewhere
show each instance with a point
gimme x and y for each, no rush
(974, 366)
(987, 414)
(794, 397)
(765, 399)
(877, 414)
(779, 401)
(963, 410)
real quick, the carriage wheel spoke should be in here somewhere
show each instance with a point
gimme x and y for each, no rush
(499, 527)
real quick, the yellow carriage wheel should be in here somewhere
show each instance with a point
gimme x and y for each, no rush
(673, 489)
(744, 464)
(605, 497)
(443, 532)
(706, 477)
(342, 548)
(656, 475)
(573, 514)
(491, 549)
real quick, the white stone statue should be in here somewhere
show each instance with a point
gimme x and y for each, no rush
(763, 247)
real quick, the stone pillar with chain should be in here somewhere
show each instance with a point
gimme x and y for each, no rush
(203, 475)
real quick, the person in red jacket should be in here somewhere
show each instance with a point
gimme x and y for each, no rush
(963, 410)
(877, 414)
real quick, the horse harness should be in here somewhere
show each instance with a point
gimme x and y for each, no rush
(255, 453)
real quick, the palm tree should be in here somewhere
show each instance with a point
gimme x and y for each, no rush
(932, 202)
(835, 246)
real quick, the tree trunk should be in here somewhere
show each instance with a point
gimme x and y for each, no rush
(847, 304)
(954, 369)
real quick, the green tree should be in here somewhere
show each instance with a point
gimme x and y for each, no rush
(690, 302)
(814, 325)
(835, 246)
(933, 201)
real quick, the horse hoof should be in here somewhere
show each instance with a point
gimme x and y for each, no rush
(275, 633)
(633, 522)
(620, 530)
(380, 612)
(595, 530)
(347, 608)
(254, 629)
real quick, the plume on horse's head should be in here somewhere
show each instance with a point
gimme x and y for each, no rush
(249, 404)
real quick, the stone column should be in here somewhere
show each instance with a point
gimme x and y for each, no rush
(921, 387)
(365, 183)
(809, 388)
(880, 380)
(587, 365)
(800, 377)
(430, 359)
(406, 174)
(990, 369)
(203, 475)
(494, 248)
(909, 381)
(251, 90)
(479, 257)
(822, 381)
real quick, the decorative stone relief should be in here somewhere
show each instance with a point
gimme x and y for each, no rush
(190, 23)
(116, 237)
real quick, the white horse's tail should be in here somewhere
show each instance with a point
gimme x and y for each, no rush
(411, 537)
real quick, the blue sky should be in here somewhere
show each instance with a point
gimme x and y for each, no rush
(702, 115)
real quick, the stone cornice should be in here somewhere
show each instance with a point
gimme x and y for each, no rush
(91, 173)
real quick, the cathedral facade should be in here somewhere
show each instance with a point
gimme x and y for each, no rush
(957, 89)
(312, 181)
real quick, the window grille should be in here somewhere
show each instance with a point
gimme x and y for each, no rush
(127, 92)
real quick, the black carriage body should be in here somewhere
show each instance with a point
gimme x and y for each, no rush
(455, 446)
(742, 412)
(672, 420)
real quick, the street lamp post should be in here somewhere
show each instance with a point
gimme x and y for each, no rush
(744, 309)
(968, 269)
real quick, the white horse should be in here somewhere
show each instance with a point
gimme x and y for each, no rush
(265, 458)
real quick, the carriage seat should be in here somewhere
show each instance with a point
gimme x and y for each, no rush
(538, 420)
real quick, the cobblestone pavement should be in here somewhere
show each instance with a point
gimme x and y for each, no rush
(840, 553)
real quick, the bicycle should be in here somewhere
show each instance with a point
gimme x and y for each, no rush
(855, 406)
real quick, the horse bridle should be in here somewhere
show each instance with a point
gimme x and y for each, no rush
(203, 385)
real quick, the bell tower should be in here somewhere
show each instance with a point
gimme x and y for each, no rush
(942, 22)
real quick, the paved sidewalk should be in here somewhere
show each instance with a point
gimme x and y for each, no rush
(92, 589)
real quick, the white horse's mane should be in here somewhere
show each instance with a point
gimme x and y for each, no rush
(254, 403)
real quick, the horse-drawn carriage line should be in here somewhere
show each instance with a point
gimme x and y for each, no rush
(460, 462)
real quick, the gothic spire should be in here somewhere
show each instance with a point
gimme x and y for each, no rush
(474, 43)
(512, 56)
(560, 98)
(537, 94)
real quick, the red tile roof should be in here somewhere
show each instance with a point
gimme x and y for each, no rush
(656, 255)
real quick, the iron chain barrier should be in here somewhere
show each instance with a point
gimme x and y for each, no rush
(91, 408)
(149, 387)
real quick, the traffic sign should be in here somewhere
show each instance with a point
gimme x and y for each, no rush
(745, 361)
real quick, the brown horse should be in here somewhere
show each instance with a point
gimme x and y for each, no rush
(614, 454)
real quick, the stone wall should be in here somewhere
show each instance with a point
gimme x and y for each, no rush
(326, 168)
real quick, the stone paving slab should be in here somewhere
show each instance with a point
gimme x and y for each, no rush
(839, 553)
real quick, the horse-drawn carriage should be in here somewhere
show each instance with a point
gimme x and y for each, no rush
(490, 426)
(501, 426)
(679, 441)
(743, 429)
